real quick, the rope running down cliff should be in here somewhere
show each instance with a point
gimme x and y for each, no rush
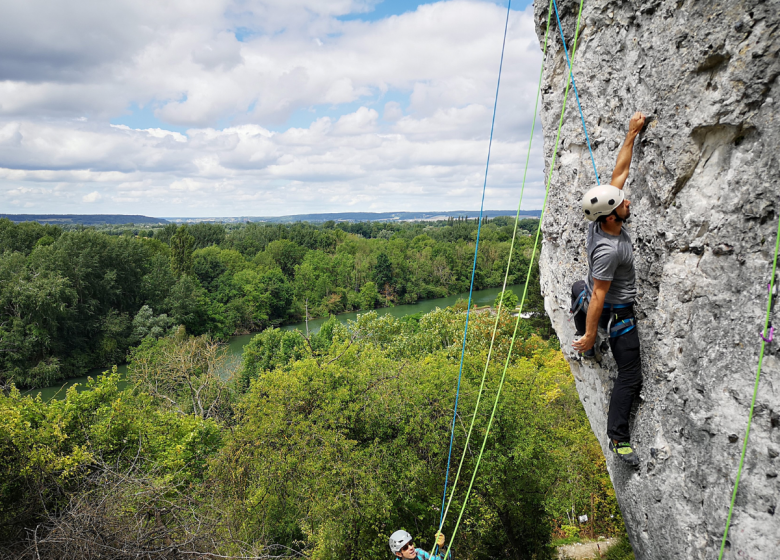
(445, 510)
(525, 289)
(473, 271)
(765, 333)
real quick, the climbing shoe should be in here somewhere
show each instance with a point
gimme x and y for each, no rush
(625, 451)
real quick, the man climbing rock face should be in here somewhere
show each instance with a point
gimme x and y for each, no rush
(608, 294)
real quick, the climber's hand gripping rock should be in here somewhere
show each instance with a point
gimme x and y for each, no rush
(636, 123)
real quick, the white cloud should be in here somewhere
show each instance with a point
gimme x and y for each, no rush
(393, 111)
(60, 86)
(94, 196)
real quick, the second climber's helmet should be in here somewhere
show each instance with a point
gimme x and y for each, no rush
(398, 540)
(601, 200)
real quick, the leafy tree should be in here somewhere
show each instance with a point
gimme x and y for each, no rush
(52, 450)
(368, 296)
(182, 244)
(188, 305)
(510, 300)
(34, 305)
(280, 293)
(183, 374)
(166, 233)
(156, 284)
(208, 267)
(269, 350)
(286, 254)
(146, 324)
(25, 236)
(383, 271)
(206, 234)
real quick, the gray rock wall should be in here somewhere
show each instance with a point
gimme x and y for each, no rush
(705, 195)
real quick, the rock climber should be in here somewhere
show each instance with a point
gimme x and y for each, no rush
(402, 546)
(606, 300)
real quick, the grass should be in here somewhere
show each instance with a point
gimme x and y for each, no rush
(621, 550)
(569, 540)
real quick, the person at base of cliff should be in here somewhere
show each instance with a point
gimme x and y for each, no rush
(608, 294)
(402, 546)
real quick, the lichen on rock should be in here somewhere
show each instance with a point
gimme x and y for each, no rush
(705, 202)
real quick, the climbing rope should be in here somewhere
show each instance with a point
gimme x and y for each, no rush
(767, 332)
(444, 510)
(576, 93)
(525, 291)
(474, 267)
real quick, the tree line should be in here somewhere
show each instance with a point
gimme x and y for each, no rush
(76, 298)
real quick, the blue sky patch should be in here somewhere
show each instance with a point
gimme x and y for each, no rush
(387, 8)
(143, 117)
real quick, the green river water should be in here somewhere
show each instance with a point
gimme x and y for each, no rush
(237, 343)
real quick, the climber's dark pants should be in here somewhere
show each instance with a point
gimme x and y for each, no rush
(625, 349)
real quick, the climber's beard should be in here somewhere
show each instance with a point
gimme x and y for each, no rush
(625, 218)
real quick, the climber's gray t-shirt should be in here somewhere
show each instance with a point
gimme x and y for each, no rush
(611, 257)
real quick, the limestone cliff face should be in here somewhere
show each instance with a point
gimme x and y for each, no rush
(705, 193)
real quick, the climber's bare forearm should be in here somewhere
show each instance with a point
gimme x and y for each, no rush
(594, 313)
(623, 164)
(595, 307)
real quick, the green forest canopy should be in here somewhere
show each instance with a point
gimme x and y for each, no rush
(74, 298)
(316, 448)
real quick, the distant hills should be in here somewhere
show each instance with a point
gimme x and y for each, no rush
(365, 216)
(121, 219)
(84, 219)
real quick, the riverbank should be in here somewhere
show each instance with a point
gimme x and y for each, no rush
(236, 343)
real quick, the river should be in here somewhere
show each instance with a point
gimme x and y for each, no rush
(237, 343)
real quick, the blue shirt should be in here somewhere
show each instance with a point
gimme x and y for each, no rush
(422, 555)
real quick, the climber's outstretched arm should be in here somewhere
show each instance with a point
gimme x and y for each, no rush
(620, 174)
(595, 306)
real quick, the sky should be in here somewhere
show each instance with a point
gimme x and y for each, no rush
(192, 108)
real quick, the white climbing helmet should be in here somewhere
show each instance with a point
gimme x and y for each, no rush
(601, 200)
(398, 540)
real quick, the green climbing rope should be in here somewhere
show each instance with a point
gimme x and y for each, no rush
(506, 277)
(765, 333)
(525, 289)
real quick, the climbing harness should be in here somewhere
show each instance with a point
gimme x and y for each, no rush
(525, 292)
(618, 329)
(766, 338)
(581, 303)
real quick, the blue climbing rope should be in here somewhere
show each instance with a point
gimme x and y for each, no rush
(474, 266)
(576, 94)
